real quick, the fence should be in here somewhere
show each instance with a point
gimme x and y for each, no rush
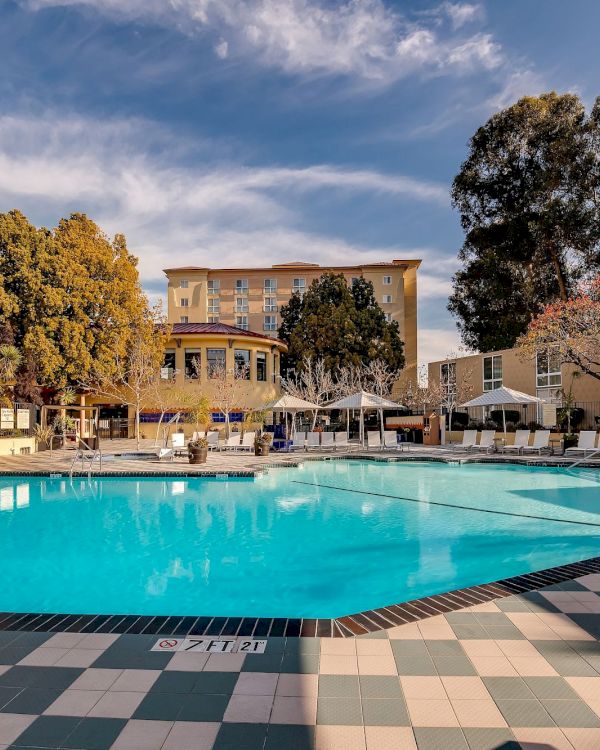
(584, 415)
(17, 420)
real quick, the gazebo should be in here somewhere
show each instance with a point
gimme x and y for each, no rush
(363, 401)
(502, 397)
(291, 405)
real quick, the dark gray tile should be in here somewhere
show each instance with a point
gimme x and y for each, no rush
(7, 636)
(7, 694)
(41, 677)
(454, 666)
(565, 586)
(524, 713)
(94, 734)
(405, 649)
(461, 618)
(571, 666)
(290, 737)
(175, 682)
(160, 707)
(302, 645)
(122, 659)
(493, 619)
(32, 701)
(512, 604)
(221, 683)
(507, 687)
(31, 639)
(345, 711)
(445, 648)
(551, 688)
(338, 686)
(571, 713)
(241, 737)
(275, 645)
(203, 707)
(385, 712)
(379, 686)
(263, 663)
(414, 665)
(504, 633)
(374, 635)
(432, 738)
(491, 739)
(48, 732)
(470, 632)
(299, 663)
(14, 654)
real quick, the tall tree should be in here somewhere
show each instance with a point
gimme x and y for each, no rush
(528, 201)
(341, 326)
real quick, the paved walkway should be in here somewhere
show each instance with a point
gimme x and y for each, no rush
(521, 672)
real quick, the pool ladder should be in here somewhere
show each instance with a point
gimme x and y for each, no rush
(85, 453)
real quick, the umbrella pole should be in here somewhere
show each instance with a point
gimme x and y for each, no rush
(381, 425)
(348, 424)
(504, 419)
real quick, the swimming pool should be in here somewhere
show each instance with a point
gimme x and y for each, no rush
(325, 540)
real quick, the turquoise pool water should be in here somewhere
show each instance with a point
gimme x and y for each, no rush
(325, 540)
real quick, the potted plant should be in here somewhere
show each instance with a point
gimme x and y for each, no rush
(198, 450)
(262, 444)
(43, 436)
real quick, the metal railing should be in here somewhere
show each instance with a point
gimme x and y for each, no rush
(86, 453)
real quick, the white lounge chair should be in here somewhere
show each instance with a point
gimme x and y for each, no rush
(178, 445)
(341, 442)
(469, 441)
(586, 443)
(521, 441)
(486, 441)
(313, 440)
(165, 454)
(373, 440)
(232, 443)
(327, 441)
(297, 442)
(390, 441)
(541, 441)
(247, 443)
(213, 441)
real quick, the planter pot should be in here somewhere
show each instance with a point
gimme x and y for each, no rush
(261, 450)
(198, 455)
(569, 441)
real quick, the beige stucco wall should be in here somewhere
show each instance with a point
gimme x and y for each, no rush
(11, 446)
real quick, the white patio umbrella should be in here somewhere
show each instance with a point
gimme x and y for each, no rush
(291, 405)
(362, 400)
(502, 397)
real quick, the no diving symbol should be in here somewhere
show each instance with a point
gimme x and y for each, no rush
(168, 644)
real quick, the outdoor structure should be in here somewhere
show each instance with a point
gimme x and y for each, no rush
(543, 377)
(251, 298)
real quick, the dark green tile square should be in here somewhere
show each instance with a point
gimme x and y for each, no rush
(338, 686)
(203, 707)
(175, 682)
(32, 701)
(262, 663)
(160, 707)
(345, 711)
(454, 666)
(445, 648)
(414, 665)
(221, 683)
(380, 686)
(524, 713)
(290, 737)
(241, 737)
(299, 664)
(31, 638)
(433, 738)
(48, 732)
(551, 688)
(59, 678)
(491, 739)
(381, 712)
(511, 688)
(94, 734)
(571, 713)
(13, 654)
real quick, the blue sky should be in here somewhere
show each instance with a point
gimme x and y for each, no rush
(249, 132)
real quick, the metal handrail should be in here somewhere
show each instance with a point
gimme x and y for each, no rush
(83, 454)
(585, 458)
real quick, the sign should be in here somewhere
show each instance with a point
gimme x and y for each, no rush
(208, 645)
(23, 419)
(549, 415)
(7, 419)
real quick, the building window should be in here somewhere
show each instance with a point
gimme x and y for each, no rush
(167, 371)
(241, 304)
(215, 359)
(192, 364)
(213, 318)
(184, 319)
(214, 286)
(242, 363)
(184, 302)
(184, 283)
(387, 280)
(387, 299)
(241, 321)
(270, 304)
(299, 285)
(213, 306)
(448, 379)
(548, 369)
(261, 366)
(270, 323)
(492, 372)
(353, 281)
(241, 286)
(270, 286)
(388, 317)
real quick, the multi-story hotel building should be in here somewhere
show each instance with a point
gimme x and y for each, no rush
(252, 298)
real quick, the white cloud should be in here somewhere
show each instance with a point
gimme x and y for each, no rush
(516, 84)
(361, 38)
(437, 343)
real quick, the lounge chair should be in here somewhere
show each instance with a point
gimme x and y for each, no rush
(341, 442)
(373, 440)
(313, 440)
(213, 441)
(521, 441)
(469, 441)
(486, 441)
(586, 443)
(232, 443)
(541, 441)
(247, 443)
(390, 441)
(327, 440)
(178, 445)
(165, 454)
(297, 441)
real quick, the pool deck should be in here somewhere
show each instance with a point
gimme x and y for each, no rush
(520, 670)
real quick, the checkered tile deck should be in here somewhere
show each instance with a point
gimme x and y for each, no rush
(519, 672)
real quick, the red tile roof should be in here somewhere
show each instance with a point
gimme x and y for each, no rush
(219, 329)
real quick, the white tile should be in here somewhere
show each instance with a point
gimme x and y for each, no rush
(192, 735)
(74, 703)
(97, 640)
(96, 679)
(12, 725)
(143, 735)
(79, 657)
(43, 657)
(63, 640)
(136, 680)
(117, 705)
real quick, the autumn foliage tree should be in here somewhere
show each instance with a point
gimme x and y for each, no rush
(570, 329)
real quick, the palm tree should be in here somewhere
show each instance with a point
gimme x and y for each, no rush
(10, 360)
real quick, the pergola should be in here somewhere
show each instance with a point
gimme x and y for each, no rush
(363, 401)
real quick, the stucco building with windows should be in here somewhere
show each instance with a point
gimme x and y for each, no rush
(251, 298)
